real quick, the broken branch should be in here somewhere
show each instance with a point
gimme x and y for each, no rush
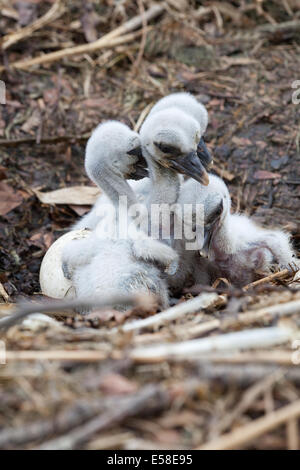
(258, 337)
(25, 309)
(190, 306)
(52, 14)
(246, 434)
(113, 38)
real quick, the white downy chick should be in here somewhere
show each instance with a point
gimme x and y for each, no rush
(191, 106)
(98, 265)
(240, 248)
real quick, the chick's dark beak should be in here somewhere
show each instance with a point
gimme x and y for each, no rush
(137, 151)
(211, 227)
(190, 165)
(203, 154)
(208, 235)
(139, 173)
(140, 167)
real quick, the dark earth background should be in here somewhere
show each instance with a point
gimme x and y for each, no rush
(234, 56)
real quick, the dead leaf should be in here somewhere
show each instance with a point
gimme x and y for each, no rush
(9, 198)
(224, 174)
(215, 102)
(32, 122)
(41, 240)
(261, 144)
(266, 175)
(2, 173)
(50, 96)
(169, 436)
(48, 239)
(89, 21)
(27, 12)
(80, 210)
(97, 103)
(75, 195)
(116, 384)
(3, 293)
(14, 104)
(241, 141)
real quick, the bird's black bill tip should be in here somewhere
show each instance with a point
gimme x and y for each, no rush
(139, 173)
(203, 154)
(140, 166)
(190, 165)
(137, 151)
(211, 226)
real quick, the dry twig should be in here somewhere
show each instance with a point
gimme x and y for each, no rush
(151, 397)
(255, 338)
(173, 313)
(272, 277)
(266, 315)
(113, 38)
(25, 309)
(52, 14)
(246, 434)
(3, 293)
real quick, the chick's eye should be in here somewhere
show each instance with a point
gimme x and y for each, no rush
(137, 151)
(219, 210)
(167, 148)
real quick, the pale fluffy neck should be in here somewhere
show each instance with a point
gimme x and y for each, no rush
(115, 186)
(165, 183)
(221, 243)
(165, 189)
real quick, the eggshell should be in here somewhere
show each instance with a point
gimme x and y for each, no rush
(52, 280)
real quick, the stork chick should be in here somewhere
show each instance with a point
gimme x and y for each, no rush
(113, 154)
(169, 145)
(189, 105)
(109, 266)
(240, 248)
(96, 265)
(192, 267)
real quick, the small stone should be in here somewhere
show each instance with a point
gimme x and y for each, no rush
(204, 99)
(157, 72)
(278, 163)
(222, 151)
(238, 153)
(266, 175)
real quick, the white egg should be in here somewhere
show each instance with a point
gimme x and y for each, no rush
(52, 280)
